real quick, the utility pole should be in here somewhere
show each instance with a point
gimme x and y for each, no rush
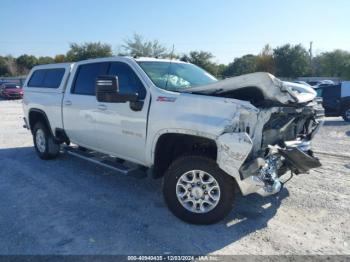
(310, 50)
(310, 53)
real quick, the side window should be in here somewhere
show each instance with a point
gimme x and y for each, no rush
(47, 78)
(86, 76)
(53, 77)
(128, 80)
(331, 92)
(37, 78)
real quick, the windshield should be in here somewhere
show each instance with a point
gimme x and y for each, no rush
(175, 76)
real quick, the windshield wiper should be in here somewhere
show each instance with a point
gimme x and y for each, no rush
(216, 91)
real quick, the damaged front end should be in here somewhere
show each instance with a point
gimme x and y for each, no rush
(259, 147)
(262, 175)
(278, 142)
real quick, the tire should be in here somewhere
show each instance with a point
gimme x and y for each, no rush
(187, 167)
(45, 145)
(346, 114)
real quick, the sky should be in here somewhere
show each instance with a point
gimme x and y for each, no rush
(227, 28)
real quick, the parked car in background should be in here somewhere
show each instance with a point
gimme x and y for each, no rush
(336, 99)
(316, 84)
(11, 90)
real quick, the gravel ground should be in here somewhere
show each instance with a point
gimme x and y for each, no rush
(69, 206)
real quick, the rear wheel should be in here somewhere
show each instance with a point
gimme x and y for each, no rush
(346, 114)
(44, 142)
(197, 191)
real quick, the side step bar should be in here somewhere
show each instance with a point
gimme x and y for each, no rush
(107, 161)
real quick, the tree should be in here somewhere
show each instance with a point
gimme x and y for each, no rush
(137, 46)
(265, 61)
(291, 61)
(59, 58)
(4, 69)
(25, 63)
(12, 65)
(221, 68)
(243, 65)
(42, 60)
(88, 50)
(203, 60)
(334, 64)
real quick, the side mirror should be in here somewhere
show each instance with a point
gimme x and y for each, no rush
(107, 90)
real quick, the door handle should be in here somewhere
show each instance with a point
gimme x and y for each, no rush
(102, 107)
(68, 103)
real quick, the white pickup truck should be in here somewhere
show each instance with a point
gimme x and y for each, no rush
(207, 139)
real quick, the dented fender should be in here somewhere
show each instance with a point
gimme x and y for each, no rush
(233, 149)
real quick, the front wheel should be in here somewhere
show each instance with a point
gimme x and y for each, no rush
(44, 142)
(197, 191)
(346, 114)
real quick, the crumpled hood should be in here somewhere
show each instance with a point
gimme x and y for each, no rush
(302, 93)
(272, 88)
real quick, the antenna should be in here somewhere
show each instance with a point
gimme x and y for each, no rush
(172, 52)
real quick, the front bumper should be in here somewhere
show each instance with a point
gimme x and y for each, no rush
(299, 161)
(262, 176)
(12, 95)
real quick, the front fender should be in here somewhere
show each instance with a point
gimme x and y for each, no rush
(153, 142)
(233, 150)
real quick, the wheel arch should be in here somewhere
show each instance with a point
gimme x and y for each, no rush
(171, 145)
(37, 115)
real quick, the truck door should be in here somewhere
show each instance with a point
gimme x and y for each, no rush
(121, 127)
(80, 105)
(331, 99)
